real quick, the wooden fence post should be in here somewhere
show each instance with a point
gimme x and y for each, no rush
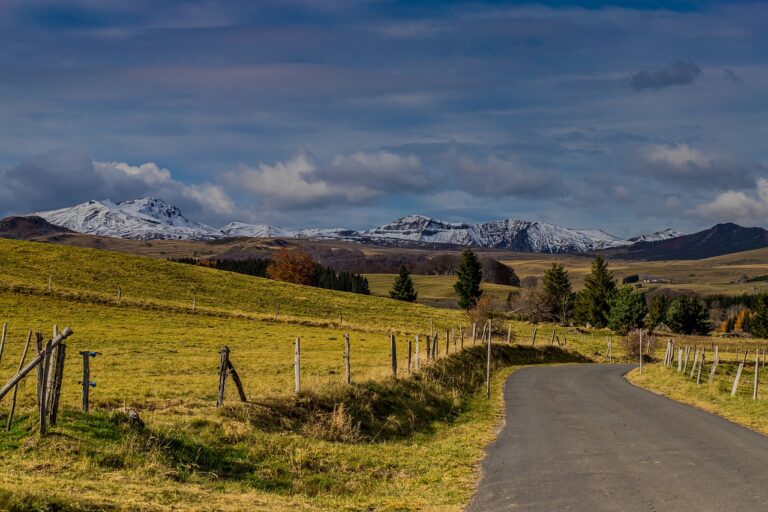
(49, 284)
(533, 337)
(2, 340)
(687, 353)
(393, 353)
(552, 339)
(435, 347)
(16, 387)
(431, 329)
(757, 376)
(223, 365)
(641, 351)
(297, 367)
(509, 333)
(447, 341)
(43, 395)
(736, 380)
(680, 360)
(119, 294)
(347, 365)
(453, 335)
(695, 358)
(461, 336)
(429, 348)
(409, 356)
(194, 303)
(488, 369)
(416, 359)
(236, 379)
(474, 332)
(58, 378)
(701, 365)
(715, 362)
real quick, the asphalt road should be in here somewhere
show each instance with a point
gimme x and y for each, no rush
(581, 438)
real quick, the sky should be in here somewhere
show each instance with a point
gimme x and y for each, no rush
(625, 116)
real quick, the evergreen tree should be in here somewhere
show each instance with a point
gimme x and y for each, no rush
(627, 310)
(686, 315)
(402, 288)
(470, 274)
(757, 323)
(599, 288)
(557, 294)
(657, 311)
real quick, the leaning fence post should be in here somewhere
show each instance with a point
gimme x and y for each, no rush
(393, 353)
(533, 337)
(641, 351)
(58, 378)
(715, 362)
(736, 380)
(552, 339)
(347, 366)
(16, 387)
(2, 340)
(297, 366)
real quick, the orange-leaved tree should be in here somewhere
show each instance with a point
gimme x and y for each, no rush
(293, 266)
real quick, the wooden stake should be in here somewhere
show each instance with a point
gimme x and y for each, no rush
(693, 366)
(509, 333)
(49, 284)
(429, 348)
(347, 364)
(474, 332)
(2, 340)
(431, 328)
(736, 380)
(461, 336)
(757, 376)
(43, 396)
(552, 339)
(119, 294)
(393, 353)
(409, 356)
(297, 366)
(416, 359)
(194, 303)
(488, 368)
(533, 337)
(236, 379)
(16, 387)
(435, 347)
(61, 354)
(223, 366)
(679, 360)
(641, 351)
(453, 335)
(701, 364)
(447, 341)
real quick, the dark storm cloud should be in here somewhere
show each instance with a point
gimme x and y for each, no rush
(678, 72)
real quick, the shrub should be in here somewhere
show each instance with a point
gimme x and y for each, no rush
(631, 344)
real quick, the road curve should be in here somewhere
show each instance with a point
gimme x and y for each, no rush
(581, 438)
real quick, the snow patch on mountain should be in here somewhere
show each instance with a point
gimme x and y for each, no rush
(657, 236)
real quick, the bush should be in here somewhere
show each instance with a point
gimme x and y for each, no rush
(627, 310)
(631, 344)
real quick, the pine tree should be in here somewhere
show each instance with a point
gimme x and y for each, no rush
(657, 311)
(557, 294)
(599, 288)
(470, 274)
(686, 315)
(402, 288)
(627, 310)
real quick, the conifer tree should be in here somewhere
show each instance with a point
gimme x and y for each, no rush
(470, 274)
(557, 294)
(657, 311)
(627, 310)
(402, 288)
(599, 288)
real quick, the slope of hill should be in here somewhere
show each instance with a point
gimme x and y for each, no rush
(24, 228)
(715, 241)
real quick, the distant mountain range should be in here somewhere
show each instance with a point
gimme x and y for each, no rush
(156, 219)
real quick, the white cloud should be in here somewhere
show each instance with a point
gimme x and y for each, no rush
(737, 206)
(497, 176)
(680, 156)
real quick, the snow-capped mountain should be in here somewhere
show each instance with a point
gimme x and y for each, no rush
(657, 236)
(512, 234)
(153, 218)
(140, 219)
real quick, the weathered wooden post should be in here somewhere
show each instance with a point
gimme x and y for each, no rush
(429, 348)
(701, 365)
(695, 358)
(488, 369)
(194, 303)
(58, 378)
(43, 395)
(533, 337)
(680, 360)
(474, 332)
(223, 365)
(2, 340)
(431, 329)
(757, 376)
(715, 362)
(435, 347)
(461, 336)
(447, 341)
(736, 380)
(347, 365)
(453, 335)
(641, 351)
(509, 334)
(490, 330)
(341, 317)
(119, 294)
(552, 339)
(409, 356)
(393, 353)
(16, 387)
(297, 366)
(49, 284)
(416, 359)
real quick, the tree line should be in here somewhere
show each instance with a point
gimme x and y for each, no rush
(293, 266)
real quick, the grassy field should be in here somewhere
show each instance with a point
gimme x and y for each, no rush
(714, 396)
(381, 444)
(436, 291)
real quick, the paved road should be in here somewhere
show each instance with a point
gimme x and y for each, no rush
(581, 438)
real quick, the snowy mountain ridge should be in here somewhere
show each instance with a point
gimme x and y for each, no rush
(156, 219)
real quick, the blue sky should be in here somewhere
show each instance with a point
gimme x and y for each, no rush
(626, 116)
